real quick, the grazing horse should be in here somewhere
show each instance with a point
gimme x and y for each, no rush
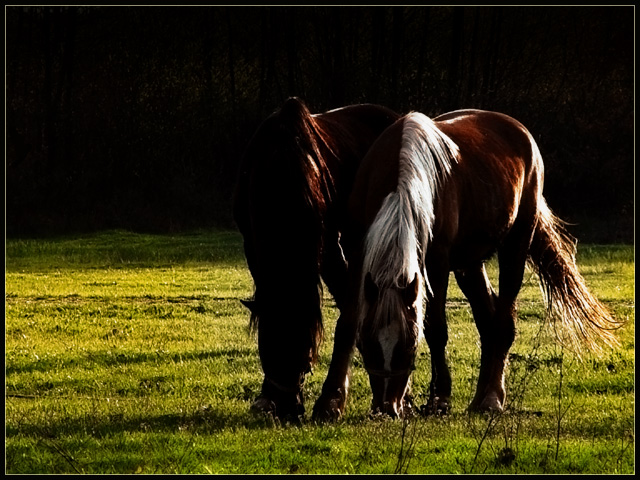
(289, 205)
(437, 196)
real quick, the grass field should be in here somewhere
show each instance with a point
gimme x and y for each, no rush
(129, 353)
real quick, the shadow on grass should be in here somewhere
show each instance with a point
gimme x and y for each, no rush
(204, 420)
(123, 249)
(107, 359)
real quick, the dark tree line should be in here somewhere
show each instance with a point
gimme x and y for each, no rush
(136, 117)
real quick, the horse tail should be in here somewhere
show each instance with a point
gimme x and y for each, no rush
(583, 318)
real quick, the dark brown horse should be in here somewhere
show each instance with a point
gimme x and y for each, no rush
(437, 196)
(289, 205)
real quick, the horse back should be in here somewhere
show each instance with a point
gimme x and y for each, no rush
(495, 183)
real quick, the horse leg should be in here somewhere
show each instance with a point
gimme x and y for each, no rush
(334, 270)
(475, 285)
(332, 401)
(497, 333)
(436, 335)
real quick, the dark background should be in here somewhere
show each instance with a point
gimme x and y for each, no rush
(137, 117)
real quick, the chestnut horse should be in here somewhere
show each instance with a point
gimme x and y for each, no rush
(437, 196)
(289, 205)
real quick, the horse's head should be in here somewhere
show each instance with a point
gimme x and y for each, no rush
(388, 340)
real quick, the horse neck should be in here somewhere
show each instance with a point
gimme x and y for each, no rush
(349, 132)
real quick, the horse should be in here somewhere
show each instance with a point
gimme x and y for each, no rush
(289, 205)
(442, 195)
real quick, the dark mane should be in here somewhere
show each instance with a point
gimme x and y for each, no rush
(289, 204)
(285, 187)
(312, 146)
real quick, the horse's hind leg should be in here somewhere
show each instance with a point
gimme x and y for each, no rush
(498, 333)
(475, 285)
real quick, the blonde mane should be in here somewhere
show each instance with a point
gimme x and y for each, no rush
(398, 237)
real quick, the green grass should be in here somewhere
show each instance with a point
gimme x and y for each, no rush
(129, 353)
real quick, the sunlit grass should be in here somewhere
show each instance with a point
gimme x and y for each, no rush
(129, 353)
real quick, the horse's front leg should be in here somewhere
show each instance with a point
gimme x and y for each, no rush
(331, 404)
(342, 284)
(436, 335)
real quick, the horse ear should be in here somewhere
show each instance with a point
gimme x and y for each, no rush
(410, 292)
(371, 291)
(250, 304)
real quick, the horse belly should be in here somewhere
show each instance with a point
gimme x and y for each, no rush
(480, 225)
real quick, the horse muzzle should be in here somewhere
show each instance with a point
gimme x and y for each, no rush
(389, 389)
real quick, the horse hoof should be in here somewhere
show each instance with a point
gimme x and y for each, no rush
(327, 414)
(490, 404)
(408, 410)
(439, 410)
(491, 407)
(265, 406)
(435, 407)
(262, 405)
(329, 410)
